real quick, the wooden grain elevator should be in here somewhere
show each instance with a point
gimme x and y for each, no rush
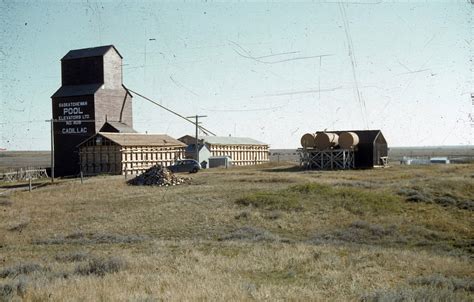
(91, 94)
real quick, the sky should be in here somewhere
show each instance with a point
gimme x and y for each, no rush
(271, 71)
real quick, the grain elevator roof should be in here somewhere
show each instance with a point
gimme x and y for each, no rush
(89, 52)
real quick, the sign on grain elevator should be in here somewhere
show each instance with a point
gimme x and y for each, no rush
(91, 94)
(73, 116)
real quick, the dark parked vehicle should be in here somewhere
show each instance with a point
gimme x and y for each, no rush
(185, 165)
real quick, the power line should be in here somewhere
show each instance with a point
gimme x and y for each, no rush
(350, 46)
(23, 122)
(207, 131)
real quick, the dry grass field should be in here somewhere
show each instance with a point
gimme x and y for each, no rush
(14, 160)
(270, 232)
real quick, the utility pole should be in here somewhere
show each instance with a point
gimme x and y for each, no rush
(196, 117)
(52, 148)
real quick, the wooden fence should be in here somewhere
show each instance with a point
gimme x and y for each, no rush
(24, 175)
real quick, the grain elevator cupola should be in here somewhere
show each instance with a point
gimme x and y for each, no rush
(92, 93)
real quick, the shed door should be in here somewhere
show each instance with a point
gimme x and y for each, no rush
(381, 150)
(377, 154)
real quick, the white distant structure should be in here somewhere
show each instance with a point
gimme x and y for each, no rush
(439, 160)
(424, 161)
(414, 161)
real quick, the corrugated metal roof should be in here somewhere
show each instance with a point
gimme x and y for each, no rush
(230, 140)
(120, 127)
(89, 52)
(76, 90)
(140, 139)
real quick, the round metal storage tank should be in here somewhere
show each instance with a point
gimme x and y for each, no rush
(307, 140)
(325, 140)
(348, 140)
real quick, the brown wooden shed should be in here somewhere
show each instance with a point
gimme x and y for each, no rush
(371, 150)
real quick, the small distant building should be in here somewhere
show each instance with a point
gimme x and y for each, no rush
(439, 160)
(242, 151)
(424, 161)
(414, 161)
(220, 161)
(372, 149)
(204, 154)
(127, 153)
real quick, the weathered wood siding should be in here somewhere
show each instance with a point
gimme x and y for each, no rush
(113, 104)
(112, 70)
(110, 158)
(136, 160)
(380, 149)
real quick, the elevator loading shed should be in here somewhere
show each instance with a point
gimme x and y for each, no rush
(91, 94)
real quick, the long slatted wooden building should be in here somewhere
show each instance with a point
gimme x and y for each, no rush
(242, 150)
(127, 153)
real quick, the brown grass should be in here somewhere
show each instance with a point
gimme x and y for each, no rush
(269, 232)
(13, 160)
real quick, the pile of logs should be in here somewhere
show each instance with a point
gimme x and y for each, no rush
(157, 176)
